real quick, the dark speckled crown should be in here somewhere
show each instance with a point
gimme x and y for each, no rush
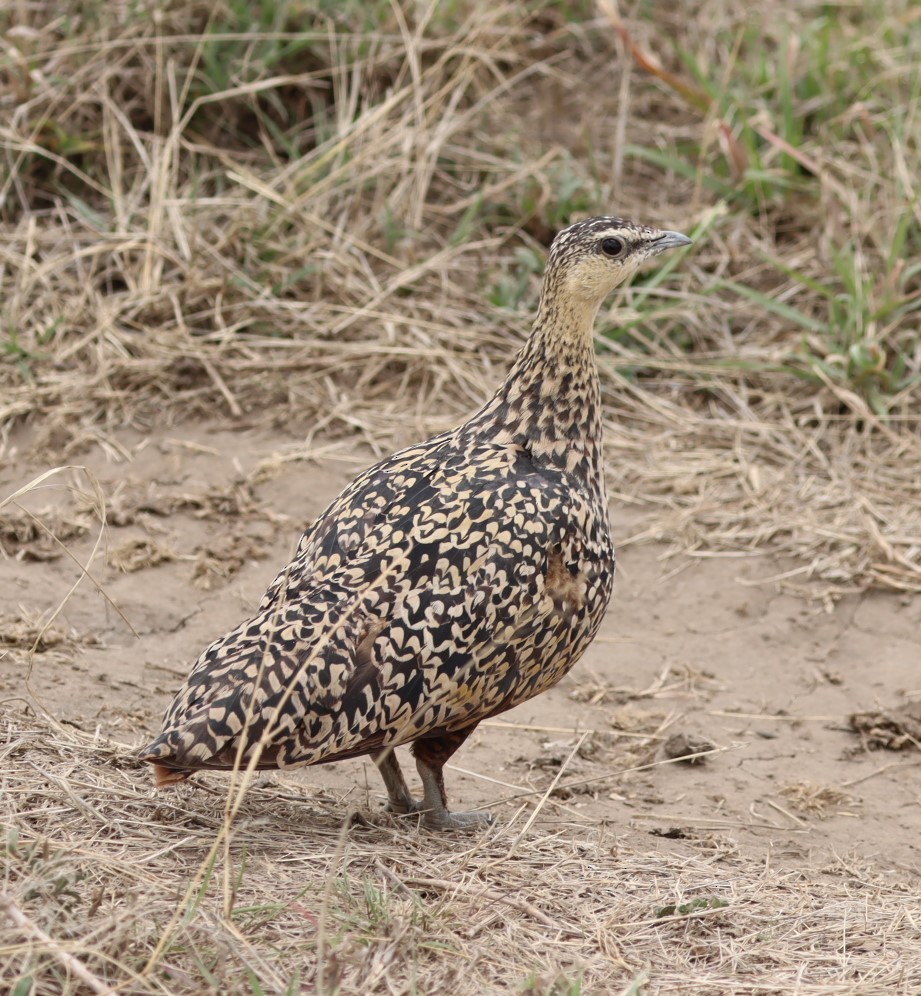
(582, 235)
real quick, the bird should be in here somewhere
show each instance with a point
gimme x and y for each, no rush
(446, 584)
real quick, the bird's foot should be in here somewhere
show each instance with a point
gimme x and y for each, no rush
(441, 819)
(404, 807)
(438, 818)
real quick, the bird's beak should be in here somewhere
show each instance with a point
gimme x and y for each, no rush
(669, 240)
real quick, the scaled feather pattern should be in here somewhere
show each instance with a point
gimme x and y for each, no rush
(446, 584)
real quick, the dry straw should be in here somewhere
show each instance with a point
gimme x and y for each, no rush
(165, 895)
(341, 230)
(165, 255)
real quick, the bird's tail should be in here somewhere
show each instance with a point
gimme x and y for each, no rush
(163, 777)
(159, 755)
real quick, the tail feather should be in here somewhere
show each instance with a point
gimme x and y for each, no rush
(164, 774)
(163, 777)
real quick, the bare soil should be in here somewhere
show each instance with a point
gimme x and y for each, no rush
(200, 518)
(329, 231)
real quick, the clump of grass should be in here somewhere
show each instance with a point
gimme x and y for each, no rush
(794, 113)
(139, 553)
(816, 800)
(29, 535)
(25, 632)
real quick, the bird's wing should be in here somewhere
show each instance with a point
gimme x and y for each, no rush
(433, 592)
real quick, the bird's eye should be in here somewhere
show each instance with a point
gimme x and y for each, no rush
(612, 247)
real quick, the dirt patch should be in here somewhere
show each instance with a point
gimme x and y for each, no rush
(692, 652)
(695, 652)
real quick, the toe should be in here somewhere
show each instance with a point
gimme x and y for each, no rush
(403, 807)
(455, 821)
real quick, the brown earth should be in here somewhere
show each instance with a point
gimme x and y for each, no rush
(202, 516)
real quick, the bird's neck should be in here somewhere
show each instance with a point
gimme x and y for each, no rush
(550, 402)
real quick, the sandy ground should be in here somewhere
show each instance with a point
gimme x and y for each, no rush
(201, 517)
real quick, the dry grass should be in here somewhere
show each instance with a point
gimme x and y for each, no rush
(207, 210)
(162, 896)
(211, 210)
(817, 800)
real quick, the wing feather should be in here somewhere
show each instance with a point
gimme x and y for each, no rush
(424, 599)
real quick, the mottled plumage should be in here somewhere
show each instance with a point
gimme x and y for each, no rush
(446, 584)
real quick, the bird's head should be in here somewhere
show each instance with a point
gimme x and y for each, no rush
(590, 258)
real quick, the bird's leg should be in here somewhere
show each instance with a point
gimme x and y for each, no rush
(431, 755)
(399, 799)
